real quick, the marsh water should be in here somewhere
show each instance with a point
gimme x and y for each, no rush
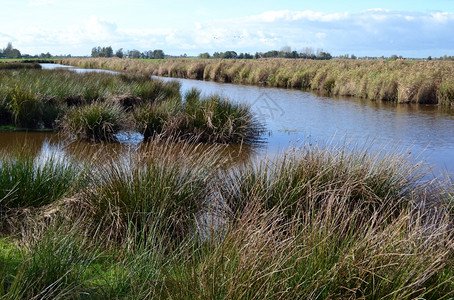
(294, 117)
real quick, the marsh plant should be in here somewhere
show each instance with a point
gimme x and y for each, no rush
(29, 181)
(318, 222)
(398, 81)
(99, 121)
(95, 107)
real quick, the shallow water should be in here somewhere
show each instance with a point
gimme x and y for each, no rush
(293, 117)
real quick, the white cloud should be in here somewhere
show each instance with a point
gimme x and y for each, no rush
(287, 15)
(371, 32)
(442, 17)
(36, 3)
(99, 29)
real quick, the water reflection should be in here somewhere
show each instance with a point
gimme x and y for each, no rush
(293, 115)
(52, 144)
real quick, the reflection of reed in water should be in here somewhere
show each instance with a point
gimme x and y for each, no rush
(227, 155)
(33, 141)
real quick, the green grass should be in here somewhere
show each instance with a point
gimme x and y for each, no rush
(27, 181)
(95, 107)
(99, 121)
(171, 223)
(206, 120)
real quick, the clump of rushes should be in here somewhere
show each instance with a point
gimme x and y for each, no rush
(155, 118)
(315, 174)
(27, 181)
(217, 120)
(99, 121)
(206, 120)
(158, 194)
(19, 65)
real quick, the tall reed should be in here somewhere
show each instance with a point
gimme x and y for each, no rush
(398, 81)
(171, 222)
(29, 181)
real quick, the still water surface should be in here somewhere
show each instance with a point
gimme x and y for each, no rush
(293, 117)
(427, 131)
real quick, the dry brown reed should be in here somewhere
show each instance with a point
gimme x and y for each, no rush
(400, 81)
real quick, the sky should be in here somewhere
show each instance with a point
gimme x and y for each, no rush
(418, 28)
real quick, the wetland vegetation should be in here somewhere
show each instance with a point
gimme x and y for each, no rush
(170, 222)
(401, 81)
(97, 106)
(180, 220)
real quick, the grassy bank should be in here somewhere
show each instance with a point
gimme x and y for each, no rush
(170, 223)
(14, 65)
(398, 81)
(95, 107)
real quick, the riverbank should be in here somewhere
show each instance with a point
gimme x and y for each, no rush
(95, 107)
(170, 222)
(425, 82)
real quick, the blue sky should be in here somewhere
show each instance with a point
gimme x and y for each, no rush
(410, 28)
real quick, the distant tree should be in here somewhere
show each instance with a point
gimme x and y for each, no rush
(94, 52)
(353, 56)
(7, 51)
(394, 57)
(429, 58)
(204, 55)
(119, 53)
(134, 54)
(216, 55)
(48, 55)
(11, 52)
(108, 51)
(15, 54)
(158, 54)
(248, 56)
(228, 54)
(272, 53)
(323, 55)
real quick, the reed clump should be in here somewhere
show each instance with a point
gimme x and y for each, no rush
(207, 120)
(29, 181)
(318, 222)
(14, 65)
(95, 122)
(398, 81)
(96, 107)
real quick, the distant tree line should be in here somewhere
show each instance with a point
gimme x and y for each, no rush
(10, 52)
(13, 53)
(108, 52)
(285, 52)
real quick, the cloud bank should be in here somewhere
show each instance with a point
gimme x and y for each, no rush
(373, 32)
